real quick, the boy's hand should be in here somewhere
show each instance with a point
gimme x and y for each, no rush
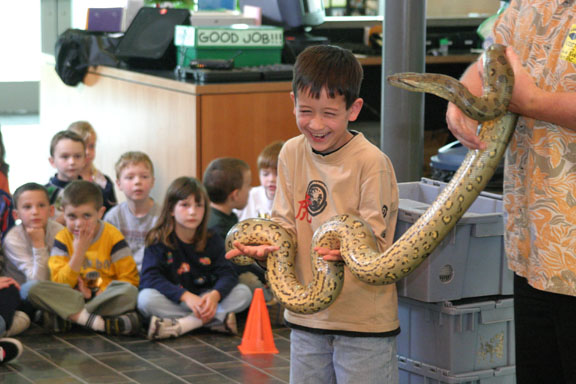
(5, 282)
(36, 235)
(83, 238)
(86, 292)
(258, 252)
(329, 254)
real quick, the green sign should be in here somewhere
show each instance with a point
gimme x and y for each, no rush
(228, 36)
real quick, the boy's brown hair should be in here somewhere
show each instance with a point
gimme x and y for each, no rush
(223, 176)
(64, 135)
(80, 192)
(268, 158)
(132, 157)
(330, 67)
(28, 187)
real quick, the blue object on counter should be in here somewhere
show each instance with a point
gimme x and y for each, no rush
(204, 5)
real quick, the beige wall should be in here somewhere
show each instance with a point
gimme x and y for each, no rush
(461, 8)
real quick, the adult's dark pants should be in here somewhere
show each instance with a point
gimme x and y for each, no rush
(545, 326)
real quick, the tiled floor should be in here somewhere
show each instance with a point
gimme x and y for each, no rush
(82, 356)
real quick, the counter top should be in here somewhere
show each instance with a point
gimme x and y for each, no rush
(168, 80)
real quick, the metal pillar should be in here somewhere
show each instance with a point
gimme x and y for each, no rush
(402, 126)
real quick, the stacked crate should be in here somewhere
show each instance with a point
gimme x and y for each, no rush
(456, 309)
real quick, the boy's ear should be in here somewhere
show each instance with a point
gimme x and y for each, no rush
(101, 212)
(15, 214)
(355, 109)
(52, 210)
(293, 97)
(118, 183)
(233, 195)
(51, 160)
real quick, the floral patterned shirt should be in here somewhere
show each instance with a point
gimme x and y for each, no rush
(540, 174)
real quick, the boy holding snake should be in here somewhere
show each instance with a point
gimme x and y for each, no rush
(326, 171)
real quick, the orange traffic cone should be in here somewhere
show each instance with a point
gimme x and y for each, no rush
(257, 336)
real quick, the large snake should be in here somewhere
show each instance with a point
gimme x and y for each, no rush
(354, 237)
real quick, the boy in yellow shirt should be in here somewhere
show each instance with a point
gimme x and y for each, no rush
(94, 277)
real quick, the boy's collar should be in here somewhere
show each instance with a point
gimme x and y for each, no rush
(59, 182)
(354, 133)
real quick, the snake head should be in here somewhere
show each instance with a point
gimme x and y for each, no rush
(405, 80)
(437, 84)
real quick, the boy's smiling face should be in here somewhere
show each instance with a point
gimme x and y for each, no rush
(324, 121)
(34, 209)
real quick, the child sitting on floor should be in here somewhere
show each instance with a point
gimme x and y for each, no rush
(261, 197)
(186, 281)
(89, 172)
(138, 214)
(94, 277)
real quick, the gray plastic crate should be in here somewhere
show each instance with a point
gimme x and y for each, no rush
(414, 372)
(470, 261)
(458, 337)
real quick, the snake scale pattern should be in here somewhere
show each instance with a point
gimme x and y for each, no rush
(353, 236)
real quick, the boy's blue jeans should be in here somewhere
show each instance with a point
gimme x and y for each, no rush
(324, 359)
(151, 302)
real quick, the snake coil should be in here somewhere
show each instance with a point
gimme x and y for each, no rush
(354, 237)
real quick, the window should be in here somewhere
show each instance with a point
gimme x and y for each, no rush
(20, 40)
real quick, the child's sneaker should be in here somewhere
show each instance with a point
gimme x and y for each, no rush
(163, 328)
(55, 323)
(20, 323)
(127, 324)
(228, 326)
(10, 349)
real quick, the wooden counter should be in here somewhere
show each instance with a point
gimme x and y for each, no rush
(182, 126)
(450, 59)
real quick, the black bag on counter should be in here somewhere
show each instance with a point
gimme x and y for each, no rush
(77, 49)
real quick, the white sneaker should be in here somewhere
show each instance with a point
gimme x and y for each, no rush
(163, 328)
(20, 323)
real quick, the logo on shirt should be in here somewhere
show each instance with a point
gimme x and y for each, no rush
(205, 261)
(184, 268)
(316, 194)
(315, 201)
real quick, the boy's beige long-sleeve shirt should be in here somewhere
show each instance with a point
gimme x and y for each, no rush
(357, 179)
